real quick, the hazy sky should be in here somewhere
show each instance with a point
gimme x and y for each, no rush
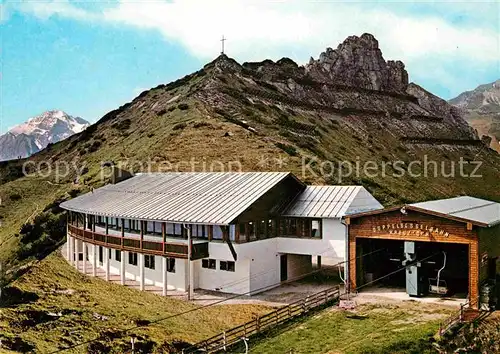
(89, 57)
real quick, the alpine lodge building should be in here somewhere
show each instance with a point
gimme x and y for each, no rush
(239, 233)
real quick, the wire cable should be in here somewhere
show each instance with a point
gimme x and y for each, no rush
(203, 307)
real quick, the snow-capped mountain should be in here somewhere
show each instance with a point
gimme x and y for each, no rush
(34, 135)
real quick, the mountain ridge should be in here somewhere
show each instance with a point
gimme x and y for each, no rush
(279, 109)
(37, 132)
(481, 109)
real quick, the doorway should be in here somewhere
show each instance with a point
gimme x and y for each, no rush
(284, 267)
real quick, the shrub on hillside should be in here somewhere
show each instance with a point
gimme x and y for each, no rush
(44, 235)
(15, 197)
(161, 112)
(179, 126)
(289, 149)
(87, 133)
(201, 125)
(74, 192)
(96, 144)
(183, 106)
(122, 125)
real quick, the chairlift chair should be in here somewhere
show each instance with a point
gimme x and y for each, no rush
(438, 285)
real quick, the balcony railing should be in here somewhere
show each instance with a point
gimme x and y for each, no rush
(168, 248)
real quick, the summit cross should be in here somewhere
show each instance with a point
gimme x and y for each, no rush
(222, 41)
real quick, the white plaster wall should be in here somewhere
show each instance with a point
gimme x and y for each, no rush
(236, 282)
(331, 246)
(179, 279)
(264, 264)
(256, 269)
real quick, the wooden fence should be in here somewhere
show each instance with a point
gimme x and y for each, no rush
(467, 313)
(224, 340)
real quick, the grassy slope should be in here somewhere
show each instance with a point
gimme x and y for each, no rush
(382, 329)
(35, 194)
(62, 289)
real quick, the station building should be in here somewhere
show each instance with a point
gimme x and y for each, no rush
(448, 247)
(239, 233)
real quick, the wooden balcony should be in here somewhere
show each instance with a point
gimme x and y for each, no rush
(160, 248)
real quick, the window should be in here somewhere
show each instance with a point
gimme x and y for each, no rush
(152, 227)
(292, 227)
(251, 229)
(242, 230)
(101, 255)
(199, 231)
(260, 231)
(109, 253)
(227, 266)
(135, 226)
(132, 258)
(288, 227)
(232, 232)
(178, 230)
(113, 223)
(175, 230)
(217, 233)
(316, 228)
(171, 265)
(208, 263)
(270, 228)
(89, 222)
(149, 261)
(118, 255)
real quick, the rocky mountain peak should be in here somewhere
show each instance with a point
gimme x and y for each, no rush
(481, 108)
(39, 131)
(358, 62)
(484, 98)
(223, 63)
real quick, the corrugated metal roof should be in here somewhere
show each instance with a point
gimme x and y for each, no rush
(469, 208)
(190, 197)
(323, 201)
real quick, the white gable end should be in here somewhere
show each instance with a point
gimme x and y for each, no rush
(363, 201)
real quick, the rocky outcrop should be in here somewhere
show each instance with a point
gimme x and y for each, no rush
(451, 115)
(486, 139)
(353, 82)
(269, 70)
(358, 62)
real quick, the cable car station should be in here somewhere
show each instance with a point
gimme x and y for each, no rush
(447, 248)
